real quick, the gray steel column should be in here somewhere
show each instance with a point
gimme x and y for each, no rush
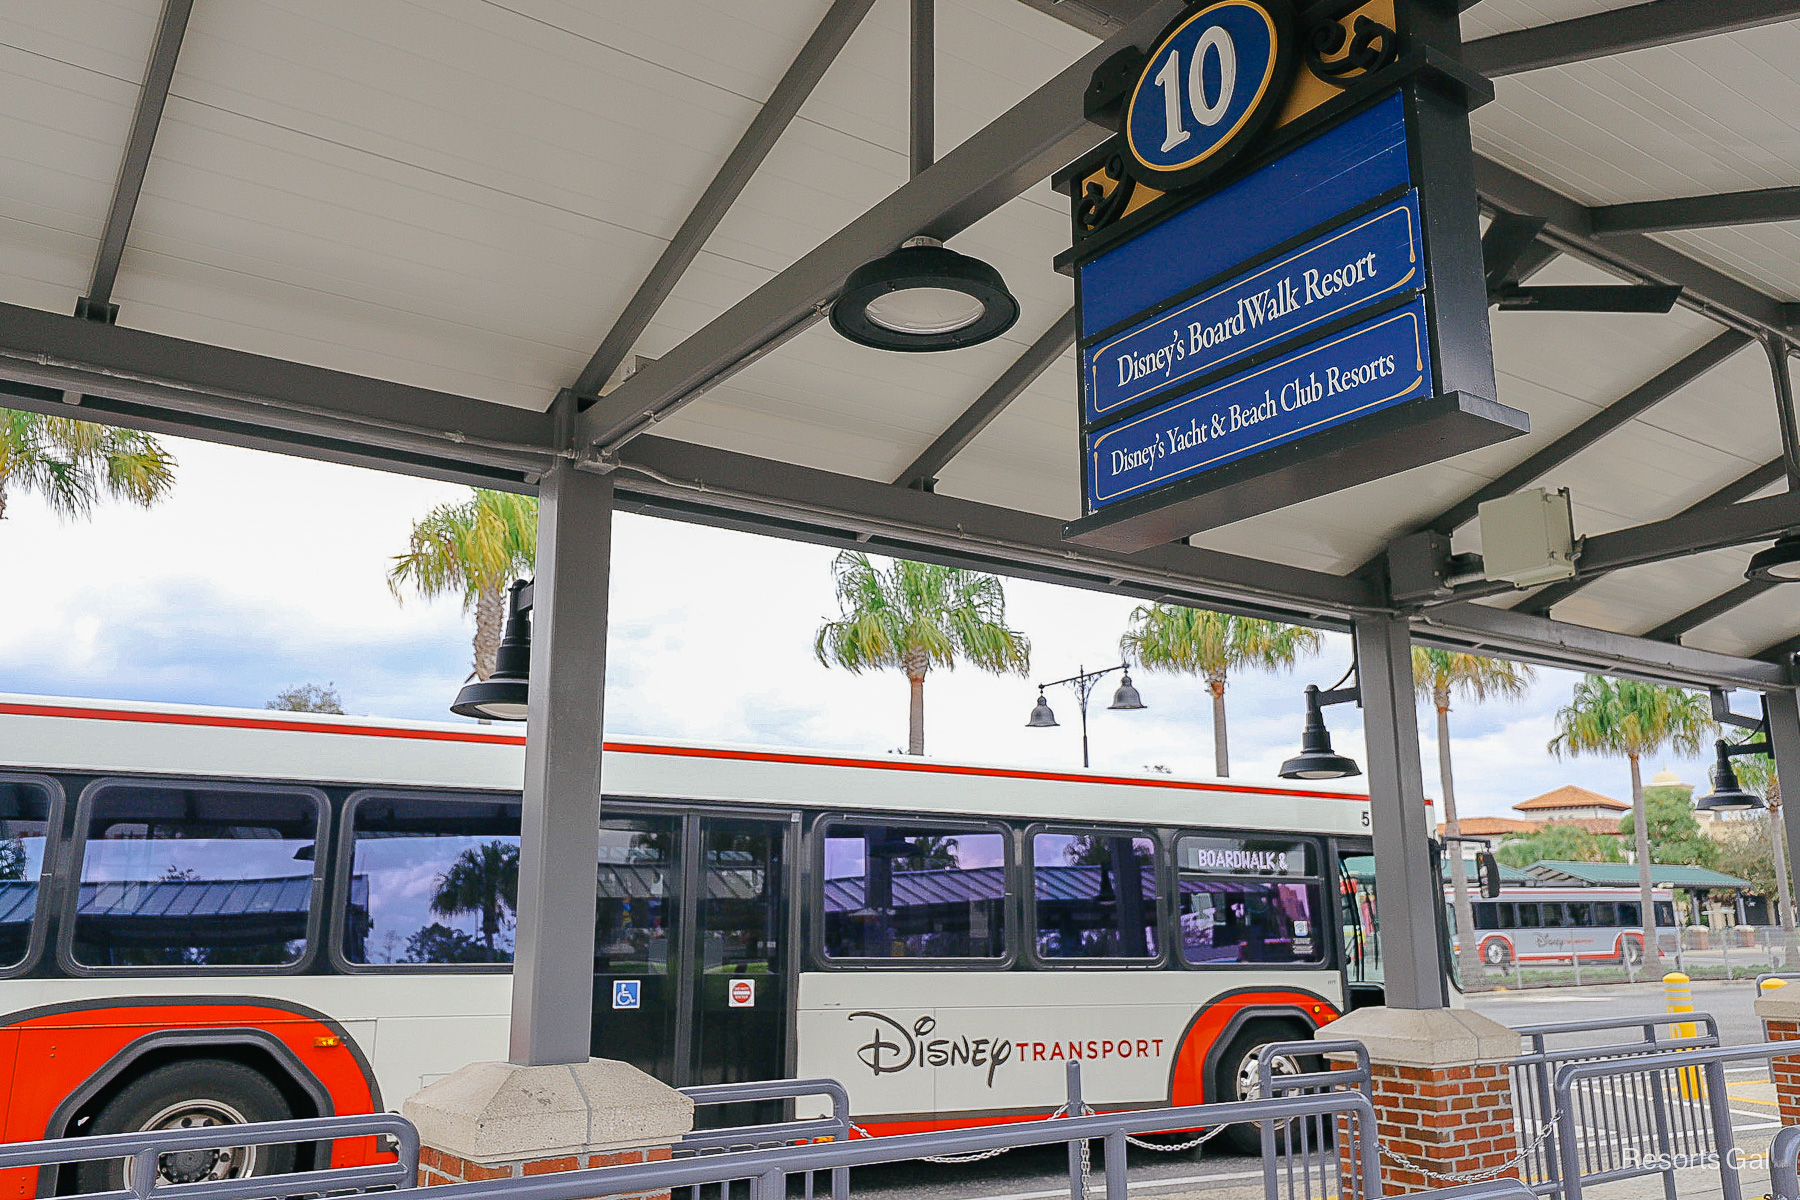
(1407, 895)
(1784, 739)
(559, 844)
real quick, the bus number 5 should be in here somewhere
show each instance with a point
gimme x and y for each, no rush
(1169, 79)
(1365, 817)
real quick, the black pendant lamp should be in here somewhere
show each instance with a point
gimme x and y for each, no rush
(1127, 697)
(1041, 716)
(1779, 563)
(506, 694)
(923, 297)
(1728, 795)
(1317, 760)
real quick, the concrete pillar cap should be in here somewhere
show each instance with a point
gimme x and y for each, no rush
(1426, 1037)
(1779, 1004)
(495, 1112)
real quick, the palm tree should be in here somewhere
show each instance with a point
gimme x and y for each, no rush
(1628, 718)
(1198, 641)
(484, 879)
(1437, 676)
(1757, 772)
(916, 616)
(476, 548)
(71, 464)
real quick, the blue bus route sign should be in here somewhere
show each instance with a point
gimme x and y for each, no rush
(1371, 366)
(1335, 274)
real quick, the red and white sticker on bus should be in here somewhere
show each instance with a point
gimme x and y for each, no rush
(741, 993)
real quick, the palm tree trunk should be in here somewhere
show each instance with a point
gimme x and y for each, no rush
(1474, 978)
(1641, 828)
(2, 502)
(490, 617)
(915, 716)
(1221, 746)
(1785, 892)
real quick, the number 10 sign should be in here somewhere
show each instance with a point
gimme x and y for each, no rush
(1219, 76)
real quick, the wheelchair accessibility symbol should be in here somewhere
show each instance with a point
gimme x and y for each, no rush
(625, 993)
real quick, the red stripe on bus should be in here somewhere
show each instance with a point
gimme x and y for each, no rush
(508, 739)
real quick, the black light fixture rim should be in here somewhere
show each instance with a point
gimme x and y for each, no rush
(1783, 552)
(919, 267)
(1344, 766)
(493, 690)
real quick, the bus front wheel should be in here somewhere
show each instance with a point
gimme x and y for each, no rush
(1240, 1079)
(188, 1095)
(1496, 953)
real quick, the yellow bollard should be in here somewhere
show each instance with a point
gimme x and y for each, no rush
(1678, 991)
(1769, 985)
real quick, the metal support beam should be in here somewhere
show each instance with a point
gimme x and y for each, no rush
(1660, 387)
(1013, 381)
(559, 835)
(923, 126)
(168, 385)
(1540, 603)
(719, 487)
(1044, 131)
(1569, 226)
(1672, 629)
(1699, 212)
(1783, 709)
(1658, 23)
(1404, 875)
(809, 66)
(1479, 629)
(97, 304)
(1780, 370)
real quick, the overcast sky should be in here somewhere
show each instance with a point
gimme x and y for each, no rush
(261, 572)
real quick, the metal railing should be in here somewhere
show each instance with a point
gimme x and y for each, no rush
(1784, 1164)
(1784, 976)
(1651, 1114)
(1534, 1075)
(144, 1152)
(836, 1127)
(767, 1171)
(1306, 1138)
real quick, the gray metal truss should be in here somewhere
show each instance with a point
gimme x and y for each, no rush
(1036, 359)
(1659, 23)
(1699, 212)
(777, 112)
(158, 75)
(1041, 133)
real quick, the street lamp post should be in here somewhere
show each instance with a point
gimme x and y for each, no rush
(1084, 682)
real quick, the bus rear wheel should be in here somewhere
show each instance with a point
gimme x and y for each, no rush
(192, 1094)
(1496, 953)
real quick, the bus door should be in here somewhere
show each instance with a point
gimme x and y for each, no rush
(1359, 923)
(691, 976)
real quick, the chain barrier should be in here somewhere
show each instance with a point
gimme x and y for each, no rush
(1455, 1177)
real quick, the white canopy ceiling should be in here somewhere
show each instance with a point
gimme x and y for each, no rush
(462, 195)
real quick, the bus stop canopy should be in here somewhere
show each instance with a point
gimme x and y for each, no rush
(586, 248)
(1588, 874)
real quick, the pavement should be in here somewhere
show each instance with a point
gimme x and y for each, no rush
(1211, 1173)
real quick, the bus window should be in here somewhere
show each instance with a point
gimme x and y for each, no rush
(1086, 901)
(1248, 900)
(176, 876)
(1606, 914)
(431, 880)
(1553, 917)
(1630, 914)
(914, 892)
(1581, 914)
(1528, 915)
(1487, 915)
(1508, 912)
(1665, 914)
(24, 822)
(640, 864)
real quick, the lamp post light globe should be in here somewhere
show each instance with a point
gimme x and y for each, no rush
(1041, 716)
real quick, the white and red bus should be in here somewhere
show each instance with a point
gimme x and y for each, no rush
(214, 915)
(1550, 924)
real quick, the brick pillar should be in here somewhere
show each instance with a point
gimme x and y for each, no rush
(501, 1121)
(1442, 1093)
(1780, 1015)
